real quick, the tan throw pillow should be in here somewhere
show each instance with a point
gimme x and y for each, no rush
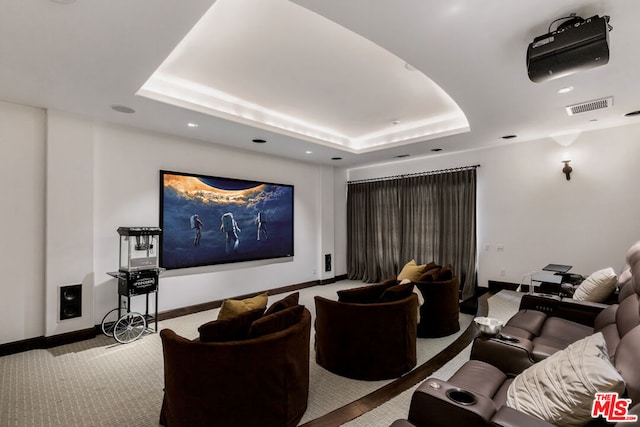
(411, 271)
(597, 287)
(233, 307)
(561, 388)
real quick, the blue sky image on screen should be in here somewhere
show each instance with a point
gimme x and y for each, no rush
(236, 220)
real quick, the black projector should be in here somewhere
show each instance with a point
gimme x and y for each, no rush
(581, 45)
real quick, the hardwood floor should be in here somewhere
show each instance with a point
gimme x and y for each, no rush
(382, 395)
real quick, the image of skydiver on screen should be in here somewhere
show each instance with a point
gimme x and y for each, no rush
(262, 225)
(197, 226)
(230, 227)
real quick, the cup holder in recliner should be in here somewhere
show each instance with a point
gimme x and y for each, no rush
(462, 397)
(508, 338)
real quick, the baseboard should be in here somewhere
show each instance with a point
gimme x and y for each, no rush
(333, 279)
(496, 286)
(70, 337)
(20, 346)
(39, 343)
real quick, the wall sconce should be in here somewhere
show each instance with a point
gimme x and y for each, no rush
(566, 170)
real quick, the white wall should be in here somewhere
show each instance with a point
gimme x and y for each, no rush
(525, 203)
(22, 222)
(69, 217)
(325, 203)
(127, 164)
(340, 221)
(70, 183)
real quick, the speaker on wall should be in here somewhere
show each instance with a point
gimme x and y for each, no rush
(70, 301)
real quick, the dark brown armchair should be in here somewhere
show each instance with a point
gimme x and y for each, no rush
(440, 311)
(259, 382)
(367, 341)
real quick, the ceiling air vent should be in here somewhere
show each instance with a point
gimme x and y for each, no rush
(585, 107)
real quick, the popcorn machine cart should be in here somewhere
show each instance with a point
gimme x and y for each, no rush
(137, 275)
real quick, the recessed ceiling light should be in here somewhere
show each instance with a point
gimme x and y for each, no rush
(633, 113)
(436, 149)
(399, 156)
(336, 158)
(566, 89)
(123, 109)
(192, 125)
(509, 136)
(259, 141)
(308, 152)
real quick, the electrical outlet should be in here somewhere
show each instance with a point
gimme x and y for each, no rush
(487, 247)
(500, 247)
(503, 272)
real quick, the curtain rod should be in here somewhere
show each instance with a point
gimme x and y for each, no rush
(410, 175)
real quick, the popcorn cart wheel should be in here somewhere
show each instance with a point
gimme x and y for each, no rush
(126, 328)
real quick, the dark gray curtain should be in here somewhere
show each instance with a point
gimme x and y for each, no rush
(427, 217)
(376, 206)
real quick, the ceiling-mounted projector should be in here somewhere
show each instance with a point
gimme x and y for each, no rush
(576, 45)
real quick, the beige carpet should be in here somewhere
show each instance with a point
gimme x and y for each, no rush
(101, 383)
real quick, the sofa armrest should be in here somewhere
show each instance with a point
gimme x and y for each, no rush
(433, 404)
(509, 417)
(583, 312)
(511, 355)
(540, 302)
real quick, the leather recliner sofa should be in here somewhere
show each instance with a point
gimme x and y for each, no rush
(545, 325)
(476, 394)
